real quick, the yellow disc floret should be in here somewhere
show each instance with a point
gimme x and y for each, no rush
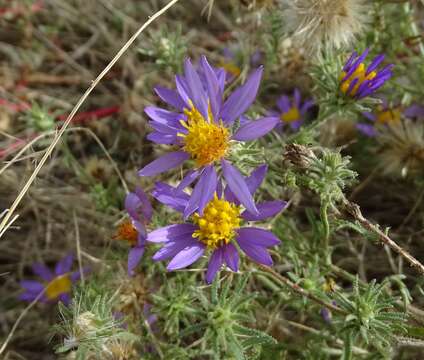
(231, 68)
(360, 74)
(58, 286)
(390, 116)
(218, 224)
(292, 115)
(206, 141)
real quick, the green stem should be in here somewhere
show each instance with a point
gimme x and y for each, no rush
(326, 224)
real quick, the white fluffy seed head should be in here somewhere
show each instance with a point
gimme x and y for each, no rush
(331, 24)
(401, 149)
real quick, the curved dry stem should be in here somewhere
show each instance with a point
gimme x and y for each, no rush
(62, 130)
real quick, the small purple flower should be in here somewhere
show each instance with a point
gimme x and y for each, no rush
(386, 115)
(230, 63)
(217, 229)
(201, 127)
(56, 285)
(359, 81)
(291, 113)
(133, 230)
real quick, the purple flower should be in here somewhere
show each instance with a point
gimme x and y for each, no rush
(56, 285)
(358, 81)
(201, 127)
(230, 63)
(291, 113)
(386, 115)
(133, 230)
(218, 229)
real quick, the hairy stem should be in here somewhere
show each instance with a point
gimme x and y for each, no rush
(354, 210)
(299, 290)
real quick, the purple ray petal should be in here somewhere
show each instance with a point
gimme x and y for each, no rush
(350, 61)
(256, 129)
(213, 87)
(65, 298)
(76, 275)
(231, 256)
(27, 296)
(64, 265)
(171, 97)
(241, 99)
(170, 196)
(171, 232)
(165, 162)
(135, 206)
(366, 129)
(369, 116)
(186, 257)
(160, 138)
(295, 125)
(195, 88)
(358, 60)
(374, 64)
(296, 98)
(42, 271)
(134, 257)
(238, 186)
(164, 117)
(266, 209)
(256, 253)
(257, 237)
(283, 103)
(209, 187)
(203, 191)
(214, 265)
(182, 89)
(32, 286)
(146, 209)
(191, 176)
(165, 129)
(244, 120)
(253, 182)
(221, 75)
(414, 111)
(170, 249)
(306, 106)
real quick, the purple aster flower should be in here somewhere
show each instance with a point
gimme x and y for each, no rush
(201, 127)
(55, 284)
(386, 115)
(359, 81)
(217, 230)
(133, 230)
(230, 63)
(291, 113)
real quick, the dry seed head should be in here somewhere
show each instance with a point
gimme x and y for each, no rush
(325, 23)
(402, 148)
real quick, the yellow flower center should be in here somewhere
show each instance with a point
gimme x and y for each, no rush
(206, 141)
(359, 74)
(218, 224)
(390, 116)
(127, 232)
(292, 115)
(58, 286)
(231, 68)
